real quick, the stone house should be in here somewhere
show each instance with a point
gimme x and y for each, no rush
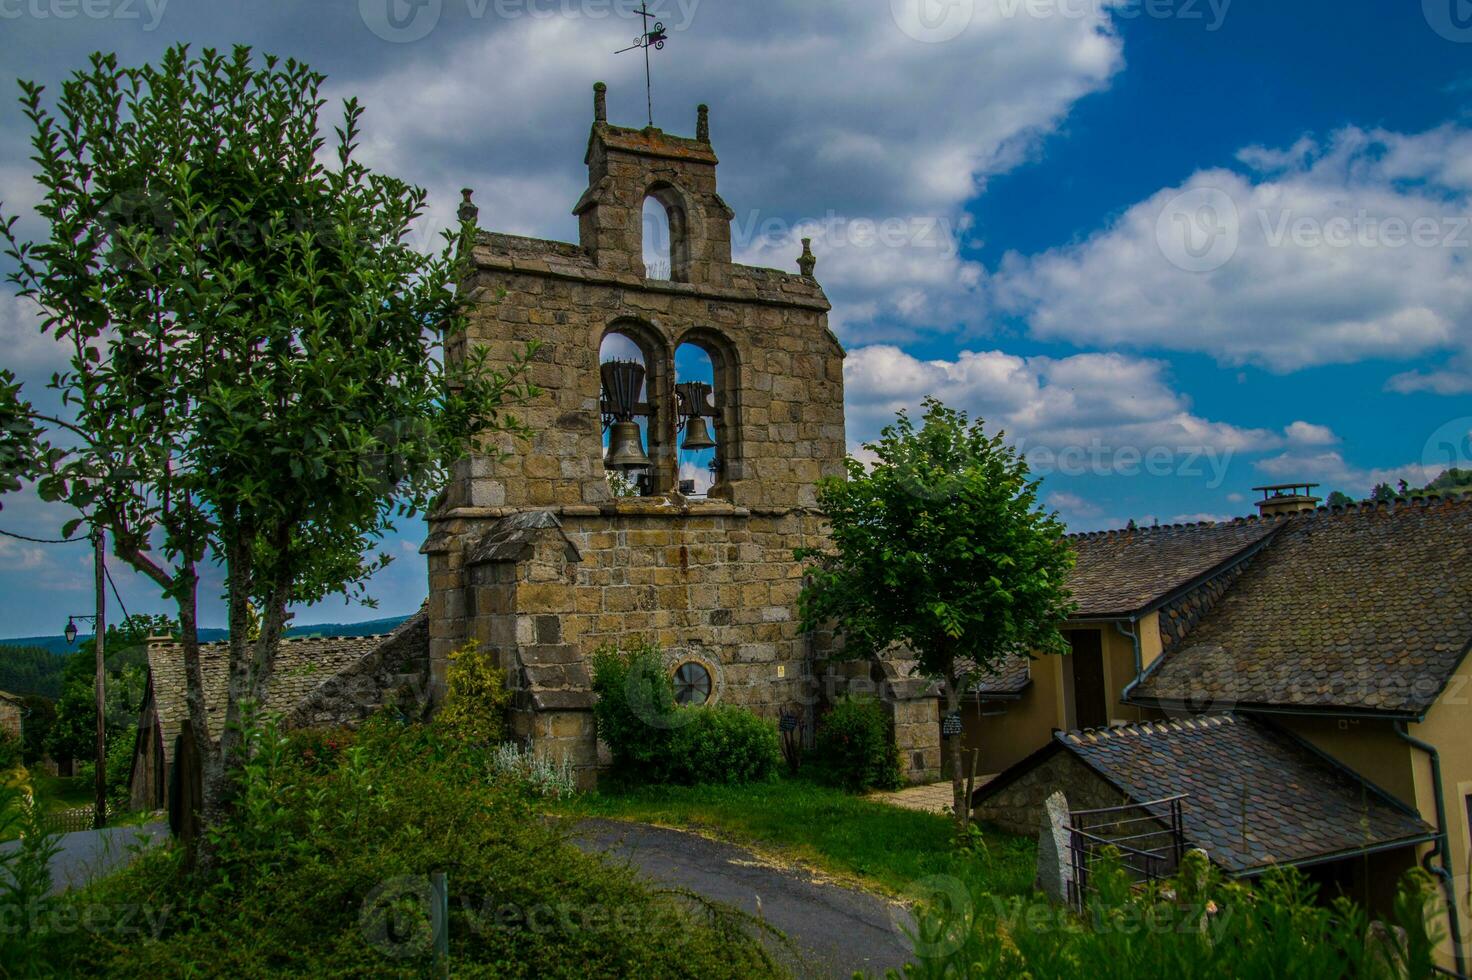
(318, 680)
(12, 708)
(534, 556)
(1337, 637)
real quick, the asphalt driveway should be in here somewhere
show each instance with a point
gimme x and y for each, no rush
(835, 929)
(85, 855)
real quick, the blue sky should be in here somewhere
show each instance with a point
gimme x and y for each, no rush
(1176, 248)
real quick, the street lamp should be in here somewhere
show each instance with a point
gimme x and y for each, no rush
(99, 629)
(70, 631)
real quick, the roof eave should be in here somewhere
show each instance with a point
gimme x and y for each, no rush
(1252, 707)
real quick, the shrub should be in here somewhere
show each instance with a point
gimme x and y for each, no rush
(476, 698)
(320, 749)
(533, 775)
(323, 872)
(25, 879)
(12, 752)
(636, 711)
(654, 740)
(724, 744)
(855, 746)
(119, 769)
(1195, 926)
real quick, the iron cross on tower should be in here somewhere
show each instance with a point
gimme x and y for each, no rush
(651, 38)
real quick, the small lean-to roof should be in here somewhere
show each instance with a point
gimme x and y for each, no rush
(1130, 571)
(1255, 795)
(1009, 680)
(1366, 608)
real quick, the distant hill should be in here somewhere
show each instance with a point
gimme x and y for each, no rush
(30, 670)
(57, 644)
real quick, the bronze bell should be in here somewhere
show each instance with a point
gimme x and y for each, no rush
(625, 447)
(697, 435)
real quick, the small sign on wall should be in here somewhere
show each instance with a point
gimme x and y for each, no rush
(950, 725)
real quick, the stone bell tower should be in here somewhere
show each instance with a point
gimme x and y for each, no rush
(534, 556)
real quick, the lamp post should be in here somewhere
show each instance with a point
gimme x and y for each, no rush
(99, 629)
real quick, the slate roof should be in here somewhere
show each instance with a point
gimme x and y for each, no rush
(1118, 573)
(1256, 795)
(1012, 677)
(1366, 607)
(302, 664)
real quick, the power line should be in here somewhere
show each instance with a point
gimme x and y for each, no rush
(26, 537)
(115, 595)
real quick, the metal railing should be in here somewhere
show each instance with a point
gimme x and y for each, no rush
(69, 820)
(1149, 837)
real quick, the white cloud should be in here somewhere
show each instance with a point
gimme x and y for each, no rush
(1104, 401)
(821, 116)
(1329, 466)
(27, 350)
(1308, 434)
(1327, 252)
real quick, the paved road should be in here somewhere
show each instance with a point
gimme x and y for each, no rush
(837, 930)
(89, 854)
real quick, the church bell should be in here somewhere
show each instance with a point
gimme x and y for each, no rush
(697, 436)
(625, 447)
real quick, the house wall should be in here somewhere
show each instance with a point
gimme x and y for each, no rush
(10, 715)
(1018, 807)
(1448, 726)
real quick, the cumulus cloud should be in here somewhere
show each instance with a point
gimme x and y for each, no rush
(1110, 401)
(28, 351)
(1330, 467)
(1325, 252)
(822, 118)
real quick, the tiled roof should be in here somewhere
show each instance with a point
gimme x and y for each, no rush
(1255, 795)
(1123, 572)
(7, 696)
(1010, 679)
(1366, 607)
(302, 664)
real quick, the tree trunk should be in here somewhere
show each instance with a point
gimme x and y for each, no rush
(961, 805)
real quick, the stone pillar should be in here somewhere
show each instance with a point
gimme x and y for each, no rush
(1055, 859)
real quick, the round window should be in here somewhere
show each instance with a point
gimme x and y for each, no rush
(692, 683)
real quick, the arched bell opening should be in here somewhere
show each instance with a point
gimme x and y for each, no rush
(664, 233)
(708, 442)
(632, 373)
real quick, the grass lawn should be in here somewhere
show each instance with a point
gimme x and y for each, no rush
(880, 844)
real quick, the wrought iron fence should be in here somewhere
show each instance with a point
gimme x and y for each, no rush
(66, 821)
(1149, 837)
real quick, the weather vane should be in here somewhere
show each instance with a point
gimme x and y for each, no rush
(651, 38)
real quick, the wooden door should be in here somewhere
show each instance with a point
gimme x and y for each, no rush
(1090, 699)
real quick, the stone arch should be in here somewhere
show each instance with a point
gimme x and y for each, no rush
(726, 380)
(658, 357)
(681, 216)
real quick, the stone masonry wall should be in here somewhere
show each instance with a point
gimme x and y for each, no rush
(1018, 807)
(1177, 617)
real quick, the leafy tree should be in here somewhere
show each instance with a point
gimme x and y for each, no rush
(942, 547)
(30, 670)
(1340, 499)
(258, 374)
(125, 669)
(1383, 491)
(20, 436)
(1454, 480)
(40, 715)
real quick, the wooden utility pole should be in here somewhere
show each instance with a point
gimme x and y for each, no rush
(99, 814)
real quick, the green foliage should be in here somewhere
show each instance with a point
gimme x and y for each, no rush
(323, 870)
(890, 847)
(320, 749)
(1339, 499)
(30, 670)
(12, 752)
(120, 746)
(125, 669)
(25, 880)
(636, 710)
(941, 546)
(724, 744)
(1196, 926)
(39, 718)
(20, 439)
(855, 746)
(259, 373)
(535, 775)
(655, 740)
(476, 698)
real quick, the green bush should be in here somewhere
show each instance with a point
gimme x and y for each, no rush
(476, 698)
(724, 744)
(655, 740)
(322, 871)
(119, 769)
(636, 711)
(12, 752)
(1195, 926)
(856, 748)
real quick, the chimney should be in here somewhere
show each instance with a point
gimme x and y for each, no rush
(1286, 498)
